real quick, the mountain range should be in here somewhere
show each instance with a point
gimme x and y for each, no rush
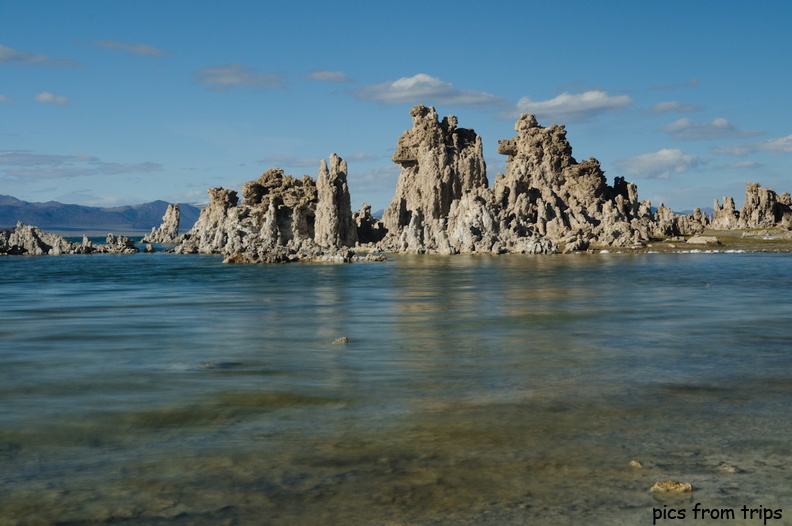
(67, 219)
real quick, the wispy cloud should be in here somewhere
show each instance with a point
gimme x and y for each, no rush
(659, 165)
(778, 145)
(692, 83)
(14, 56)
(569, 107)
(329, 76)
(363, 157)
(290, 161)
(225, 77)
(424, 89)
(686, 129)
(48, 98)
(136, 49)
(15, 164)
(4, 99)
(672, 106)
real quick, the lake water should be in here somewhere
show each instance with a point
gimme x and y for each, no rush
(173, 389)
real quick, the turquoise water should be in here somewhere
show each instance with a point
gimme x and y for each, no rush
(167, 389)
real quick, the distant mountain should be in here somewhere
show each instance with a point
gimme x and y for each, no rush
(65, 219)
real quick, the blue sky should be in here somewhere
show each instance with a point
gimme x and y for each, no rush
(115, 102)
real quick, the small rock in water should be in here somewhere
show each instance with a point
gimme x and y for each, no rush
(342, 339)
(671, 486)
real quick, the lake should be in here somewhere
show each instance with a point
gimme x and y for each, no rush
(174, 389)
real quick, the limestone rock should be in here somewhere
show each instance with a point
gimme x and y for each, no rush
(369, 228)
(703, 240)
(439, 164)
(763, 208)
(30, 240)
(168, 232)
(280, 219)
(546, 199)
(335, 225)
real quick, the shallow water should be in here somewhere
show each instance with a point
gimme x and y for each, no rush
(165, 389)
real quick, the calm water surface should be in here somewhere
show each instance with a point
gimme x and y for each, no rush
(165, 389)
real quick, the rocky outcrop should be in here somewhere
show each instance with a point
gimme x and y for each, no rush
(546, 200)
(30, 240)
(168, 231)
(440, 164)
(763, 208)
(280, 219)
(335, 226)
(369, 228)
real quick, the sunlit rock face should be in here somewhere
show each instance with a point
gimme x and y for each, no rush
(546, 199)
(280, 219)
(763, 208)
(168, 231)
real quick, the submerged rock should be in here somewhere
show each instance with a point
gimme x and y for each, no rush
(671, 486)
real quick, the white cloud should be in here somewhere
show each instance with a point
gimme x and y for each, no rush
(781, 145)
(672, 106)
(720, 128)
(424, 89)
(329, 76)
(24, 165)
(746, 164)
(137, 49)
(13, 56)
(48, 98)
(658, 165)
(778, 145)
(571, 107)
(233, 75)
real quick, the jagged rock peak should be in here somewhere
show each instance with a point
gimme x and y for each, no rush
(763, 208)
(168, 231)
(31, 240)
(440, 163)
(281, 218)
(335, 225)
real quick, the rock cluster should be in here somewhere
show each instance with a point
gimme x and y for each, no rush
(763, 208)
(30, 240)
(546, 201)
(168, 231)
(279, 219)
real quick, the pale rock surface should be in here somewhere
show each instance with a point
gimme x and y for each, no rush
(30, 240)
(545, 199)
(168, 231)
(763, 208)
(439, 164)
(280, 219)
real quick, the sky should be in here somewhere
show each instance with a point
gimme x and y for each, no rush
(122, 102)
